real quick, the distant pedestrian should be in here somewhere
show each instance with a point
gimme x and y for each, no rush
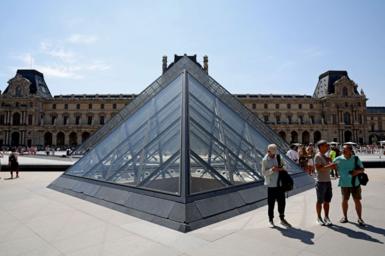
(1, 157)
(13, 163)
(293, 153)
(323, 165)
(349, 166)
(270, 170)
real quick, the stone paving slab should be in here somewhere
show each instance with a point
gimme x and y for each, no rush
(35, 220)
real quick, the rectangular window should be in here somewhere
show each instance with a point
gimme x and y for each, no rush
(89, 106)
(311, 106)
(65, 120)
(53, 119)
(1, 119)
(77, 106)
(266, 118)
(289, 119)
(254, 106)
(278, 119)
(77, 120)
(53, 106)
(101, 120)
(265, 106)
(65, 106)
(30, 119)
(312, 119)
(300, 106)
(114, 106)
(101, 106)
(289, 106)
(277, 106)
(89, 120)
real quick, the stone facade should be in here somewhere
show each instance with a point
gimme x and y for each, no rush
(29, 115)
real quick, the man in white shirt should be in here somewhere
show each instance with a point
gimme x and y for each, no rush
(293, 153)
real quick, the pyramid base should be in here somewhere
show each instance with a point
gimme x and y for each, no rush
(169, 211)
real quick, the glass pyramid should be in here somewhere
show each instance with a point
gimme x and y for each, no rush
(188, 141)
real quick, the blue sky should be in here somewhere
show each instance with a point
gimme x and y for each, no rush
(253, 46)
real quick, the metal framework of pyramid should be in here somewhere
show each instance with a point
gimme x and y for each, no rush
(184, 154)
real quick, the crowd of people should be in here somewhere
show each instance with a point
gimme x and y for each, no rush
(322, 162)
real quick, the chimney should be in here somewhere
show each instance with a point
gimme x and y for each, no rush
(164, 64)
(206, 64)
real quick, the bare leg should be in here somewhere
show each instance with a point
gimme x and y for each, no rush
(345, 208)
(326, 209)
(318, 208)
(358, 204)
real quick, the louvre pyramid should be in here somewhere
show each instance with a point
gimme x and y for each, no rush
(184, 154)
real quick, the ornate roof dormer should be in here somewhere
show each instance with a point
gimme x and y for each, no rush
(27, 82)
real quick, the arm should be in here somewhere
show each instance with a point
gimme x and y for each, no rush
(359, 170)
(323, 168)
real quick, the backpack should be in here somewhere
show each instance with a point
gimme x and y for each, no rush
(362, 177)
(285, 181)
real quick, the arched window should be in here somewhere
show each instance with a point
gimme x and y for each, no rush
(283, 135)
(85, 136)
(60, 139)
(305, 138)
(294, 137)
(73, 139)
(317, 136)
(47, 139)
(345, 92)
(346, 118)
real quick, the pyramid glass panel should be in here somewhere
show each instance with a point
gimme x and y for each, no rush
(223, 140)
(138, 151)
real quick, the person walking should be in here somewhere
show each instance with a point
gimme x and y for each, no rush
(270, 170)
(13, 163)
(349, 166)
(323, 165)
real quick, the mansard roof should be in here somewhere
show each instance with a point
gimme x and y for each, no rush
(37, 84)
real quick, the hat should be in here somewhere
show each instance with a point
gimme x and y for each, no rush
(321, 142)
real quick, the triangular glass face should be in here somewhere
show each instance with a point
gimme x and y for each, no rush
(226, 144)
(144, 151)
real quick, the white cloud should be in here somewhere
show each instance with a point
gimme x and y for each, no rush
(58, 71)
(81, 39)
(57, 52)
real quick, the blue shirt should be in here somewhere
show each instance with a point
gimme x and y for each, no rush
(344, 166)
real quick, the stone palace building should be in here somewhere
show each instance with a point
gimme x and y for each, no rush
(337, 111)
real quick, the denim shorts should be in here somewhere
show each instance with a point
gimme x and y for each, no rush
(324, 192)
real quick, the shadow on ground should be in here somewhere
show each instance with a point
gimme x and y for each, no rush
(296, 233)
(356, 234)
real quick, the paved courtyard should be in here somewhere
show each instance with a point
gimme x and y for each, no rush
(35, 220)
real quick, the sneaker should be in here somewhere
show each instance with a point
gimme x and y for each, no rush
(361, 223)
(320, 222)
(285, 223)
(327, 221)
(344, 220)
(271, 223)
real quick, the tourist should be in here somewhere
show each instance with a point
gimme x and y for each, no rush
(310, 162)
(323, 165)
(333, 155)
(270, 170)
(303, 158)
(293, 153)
(1, 156)
(13, 163)
(349, 166)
